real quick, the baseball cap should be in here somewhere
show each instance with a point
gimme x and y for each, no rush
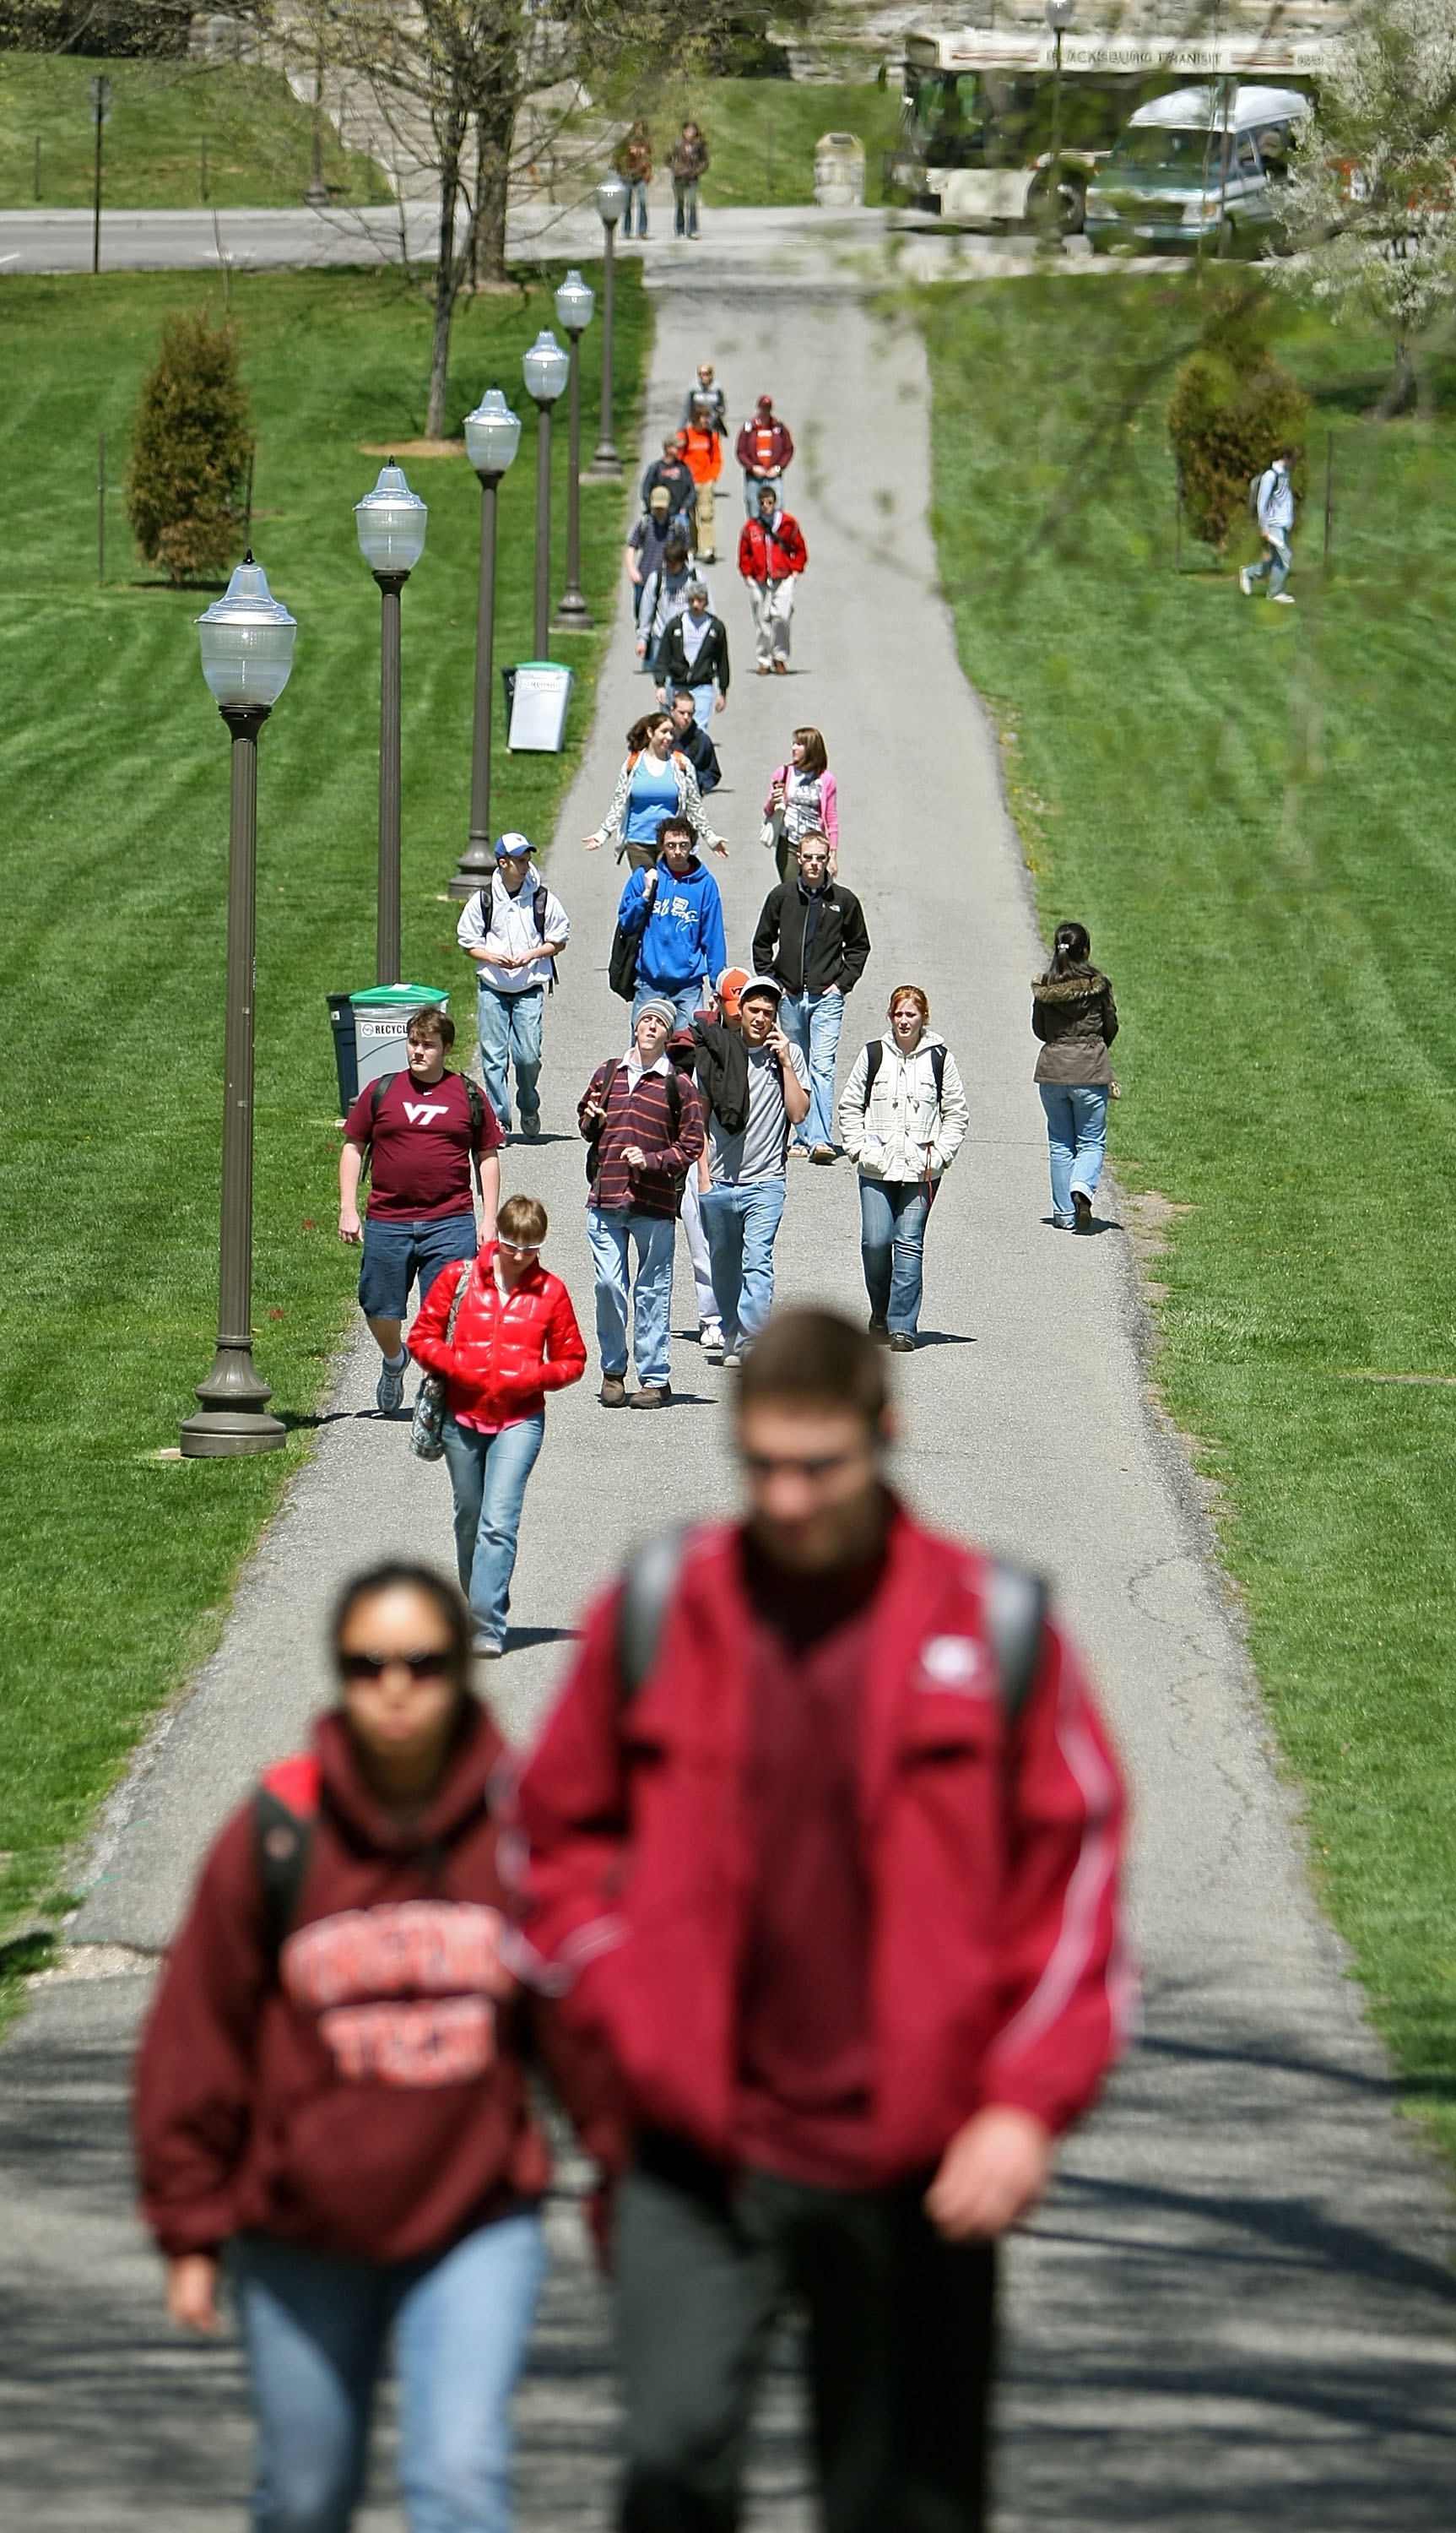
(730, 985)
(658, 498)
(761, 985)
(764, 404)
(511, 845)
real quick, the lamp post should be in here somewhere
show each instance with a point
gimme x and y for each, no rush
(575, 306)
(1059, 15)
(391, 522)
(547, 369)
(247, 645)
(610, 197)
(493, 435)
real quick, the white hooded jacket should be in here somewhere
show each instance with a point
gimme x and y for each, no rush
(905, 1132)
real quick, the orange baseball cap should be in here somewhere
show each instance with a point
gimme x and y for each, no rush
(731, 986)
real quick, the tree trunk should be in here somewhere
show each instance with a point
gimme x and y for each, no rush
(449, 271)
(494, 131)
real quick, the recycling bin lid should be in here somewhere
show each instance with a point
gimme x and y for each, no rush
(399, 997)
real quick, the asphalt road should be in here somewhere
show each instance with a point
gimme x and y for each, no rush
(1237, 2310)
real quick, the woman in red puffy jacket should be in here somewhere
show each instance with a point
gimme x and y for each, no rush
(515, 1337)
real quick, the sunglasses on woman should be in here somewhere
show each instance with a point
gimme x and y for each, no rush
(432, 1662)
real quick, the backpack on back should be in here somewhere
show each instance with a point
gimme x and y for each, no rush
(474, 1098)
(537, 911)
(874, 1057)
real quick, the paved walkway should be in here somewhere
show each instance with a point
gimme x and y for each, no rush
(1236, 2311)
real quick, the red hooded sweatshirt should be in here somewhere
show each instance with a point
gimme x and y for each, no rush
(362, 2095)
(993, 1968)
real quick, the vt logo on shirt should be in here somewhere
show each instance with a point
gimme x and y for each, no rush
(420, 1111)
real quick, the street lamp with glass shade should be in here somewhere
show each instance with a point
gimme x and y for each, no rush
(247, 642)
(1059, 17)
(391, 522)
(575, 305)
(611, 197)
(547, 369)
(493, 435)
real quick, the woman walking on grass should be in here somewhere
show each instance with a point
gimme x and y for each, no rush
(512, 1337)
(803, 800)
(656, 783)
(902, 1120)
(1074, 1015)
(330, 2100)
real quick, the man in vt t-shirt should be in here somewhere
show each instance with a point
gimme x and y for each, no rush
(424, 1136)
(742, 1193)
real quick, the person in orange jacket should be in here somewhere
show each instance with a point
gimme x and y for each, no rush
(699, 442)
(772, 553)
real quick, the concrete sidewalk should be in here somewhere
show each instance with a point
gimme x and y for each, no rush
(1237, 2310)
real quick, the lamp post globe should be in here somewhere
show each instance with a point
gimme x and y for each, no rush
(1059, 15)
(391, 522)
(575, 302)
(611, 197)
(493, 435)
(246, 639)
(546, 368)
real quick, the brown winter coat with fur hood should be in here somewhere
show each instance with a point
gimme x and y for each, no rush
(1075, 1019)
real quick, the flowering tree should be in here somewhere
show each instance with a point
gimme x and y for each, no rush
(1371, 197)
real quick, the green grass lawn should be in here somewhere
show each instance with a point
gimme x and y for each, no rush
(258, 136)
(113, 846)
(1251, 806)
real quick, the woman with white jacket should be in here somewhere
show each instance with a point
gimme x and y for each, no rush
(656, 783)
(902, 1119)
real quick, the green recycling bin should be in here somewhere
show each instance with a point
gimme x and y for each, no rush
(368, 1033)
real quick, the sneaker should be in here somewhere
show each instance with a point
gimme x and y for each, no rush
(662, 1398)
(879, 1329)
(1082, 1210)
(531, 1126)
(709, 1338)
(732, 1360)
(486, 1649)
(1281, 598)
(823, 1155)
(613, 1390)
(1245, 583)
(389, 1391)
(902, 1341)
(781, 668)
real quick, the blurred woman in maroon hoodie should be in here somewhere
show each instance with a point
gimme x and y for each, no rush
(330, 2102)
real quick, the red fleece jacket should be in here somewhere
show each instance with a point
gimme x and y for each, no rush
(995, 1973)
(364, 2092)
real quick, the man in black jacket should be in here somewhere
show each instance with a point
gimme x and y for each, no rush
(693, 656)
(812, 938)
(694, 743)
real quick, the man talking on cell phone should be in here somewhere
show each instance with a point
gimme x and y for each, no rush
(821, 1846)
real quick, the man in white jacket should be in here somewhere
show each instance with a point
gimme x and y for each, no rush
(513, 931)
(1276, 527)
(902, 1119)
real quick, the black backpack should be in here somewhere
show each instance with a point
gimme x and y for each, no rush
(538, 910)
(621, 967)
(874, 1057)
(594, 1139)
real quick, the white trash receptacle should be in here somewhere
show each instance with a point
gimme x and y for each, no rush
(839, 171)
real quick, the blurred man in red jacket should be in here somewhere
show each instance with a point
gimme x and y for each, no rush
(772, 553)
(822, 1843)
(763, 448)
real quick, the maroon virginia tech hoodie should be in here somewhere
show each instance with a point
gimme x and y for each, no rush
(363, 2093)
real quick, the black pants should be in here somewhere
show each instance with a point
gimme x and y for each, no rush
(900, 2336)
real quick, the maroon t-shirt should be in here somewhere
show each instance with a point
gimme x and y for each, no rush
(420, 1141)
(805, 2061)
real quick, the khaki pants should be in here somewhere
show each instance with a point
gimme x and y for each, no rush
(771, 602)
(705, 539)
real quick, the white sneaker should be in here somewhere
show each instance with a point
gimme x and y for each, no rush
(709, 1338)
(1281, 598)
(390, 1393)
(1245, 584)
(732, 1360)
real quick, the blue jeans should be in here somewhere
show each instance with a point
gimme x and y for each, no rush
(608, 1235)
(636, 192)
(684, 999)
(314, 2330)
(1077, 1132)
(489, 1473)
(1275, 562)
(395, 1253)
(812, 1022)
(510, 1027)
(741, 1224)
(685, 204)
(893, 1215)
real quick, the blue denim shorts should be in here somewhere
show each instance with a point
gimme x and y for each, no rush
(395, 1253)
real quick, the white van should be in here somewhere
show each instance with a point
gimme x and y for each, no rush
(1159, 185)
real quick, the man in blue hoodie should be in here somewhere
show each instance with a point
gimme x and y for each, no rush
(673, 911)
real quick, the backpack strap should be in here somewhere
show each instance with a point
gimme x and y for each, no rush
(874, 1057)
(938, 1068)
(476, 1100)
(383, 1082)
(285, 1812)
(647, 1593)
(1015, 1607)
